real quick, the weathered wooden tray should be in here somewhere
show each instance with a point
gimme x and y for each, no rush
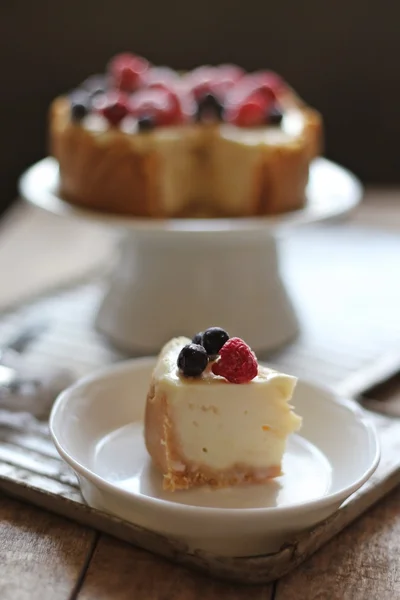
(351, 358)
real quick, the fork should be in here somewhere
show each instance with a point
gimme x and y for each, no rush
(27, 392)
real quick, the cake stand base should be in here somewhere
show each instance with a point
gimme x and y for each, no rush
(169, 286)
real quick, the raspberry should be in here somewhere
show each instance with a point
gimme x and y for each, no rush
(172, 100)
(270, 79)
(266, 83)
(163, 105)
(128, 71)
(237, 362)
(113, 106)
(182, 102)
(250, 113)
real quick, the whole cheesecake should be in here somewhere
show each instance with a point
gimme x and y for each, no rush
(218, 419)
(148, 141)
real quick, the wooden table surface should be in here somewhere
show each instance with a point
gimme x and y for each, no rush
(43, 556)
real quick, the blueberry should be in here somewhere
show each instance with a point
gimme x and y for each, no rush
(213, 340)
(78, 111)
(146, 123)
(192, 360)
(274, 116)
(79, 105)
(209, 108)
(198, 338)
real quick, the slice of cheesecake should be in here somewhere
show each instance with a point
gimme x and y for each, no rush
(207, 430)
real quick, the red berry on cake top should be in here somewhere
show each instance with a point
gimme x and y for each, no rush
(237, 362)
(250, 113)
(159, 96)
(271, 79)
(114, 106)
(267, 83)
(128, 71)
(160, 103)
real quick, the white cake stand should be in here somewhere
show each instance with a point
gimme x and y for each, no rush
(177, 277)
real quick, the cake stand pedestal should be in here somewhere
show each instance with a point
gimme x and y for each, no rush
(171, 286)
(180, 276)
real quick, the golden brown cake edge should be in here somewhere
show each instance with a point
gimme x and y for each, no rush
(109, 175)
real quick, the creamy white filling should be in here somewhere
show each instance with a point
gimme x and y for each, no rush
(220, 424)
(292, 126)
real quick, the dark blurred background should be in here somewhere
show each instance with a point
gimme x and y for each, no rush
(341, 56)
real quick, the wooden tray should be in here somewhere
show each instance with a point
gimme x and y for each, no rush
(351, 358)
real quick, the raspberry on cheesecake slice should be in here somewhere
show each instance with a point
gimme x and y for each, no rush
(214, 416)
